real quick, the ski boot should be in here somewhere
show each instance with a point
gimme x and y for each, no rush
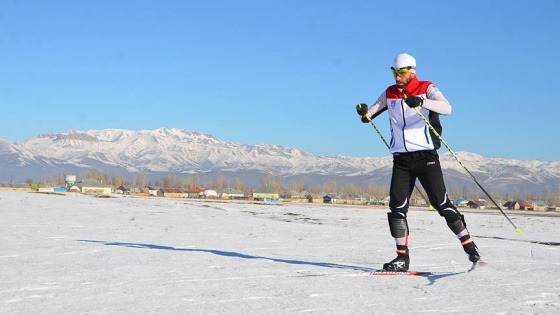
(472, 251)
(400, 263)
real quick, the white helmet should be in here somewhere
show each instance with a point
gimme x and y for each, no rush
(404, 61)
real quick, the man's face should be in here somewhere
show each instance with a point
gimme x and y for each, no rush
(402, 77)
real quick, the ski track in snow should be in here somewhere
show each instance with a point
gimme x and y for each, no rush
(77, 254)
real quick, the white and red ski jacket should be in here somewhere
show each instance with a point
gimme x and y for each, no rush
(409, 132)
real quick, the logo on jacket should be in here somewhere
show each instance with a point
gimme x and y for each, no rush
(393, 104)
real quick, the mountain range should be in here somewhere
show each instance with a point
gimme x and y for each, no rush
(177, 151)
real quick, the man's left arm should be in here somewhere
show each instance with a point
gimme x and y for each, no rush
(436, 102)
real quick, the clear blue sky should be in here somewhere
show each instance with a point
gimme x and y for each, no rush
(281, 72)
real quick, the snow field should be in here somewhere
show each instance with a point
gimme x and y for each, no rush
(77, 254)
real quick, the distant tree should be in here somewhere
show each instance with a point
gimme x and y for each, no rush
(494, 195)
(301, 185)
(118, 179)
(378, 191)
(277, 184)
(550, 197)
(314, 189)
(196, 180)
(456, 191)
(193, 181)
(298, 185)
(181, 182)
(239, 184)
(464, 192)
(516, 194)
(168, 181)
(266, 181)
(351, 188)
(220, 182)
(293, 186)
(140, 179)
(529, 196)
(205, 181)
(54, 179)
(329, 186)
(99, 175)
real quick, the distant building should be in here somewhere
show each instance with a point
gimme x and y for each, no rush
(265, 193)
(511, 205)
(195, 192)
(123, 189)
(49, 190)
(526, 206)
(540, 206)
(209, 193)
(518, 205)
(173, 193)
(94, 187)
(230, 193)
(476, 204)
(331, 198)
(314, 198)
(15, 186)
(154, 191)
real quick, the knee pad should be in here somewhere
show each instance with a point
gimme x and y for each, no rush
(456, 224)
(397, 224)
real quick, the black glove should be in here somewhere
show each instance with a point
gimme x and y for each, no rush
(414, 101)
(361, 109)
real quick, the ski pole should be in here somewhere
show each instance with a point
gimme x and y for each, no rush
(518, 230)
(389, 148)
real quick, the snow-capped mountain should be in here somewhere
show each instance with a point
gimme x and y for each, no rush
(175, 151)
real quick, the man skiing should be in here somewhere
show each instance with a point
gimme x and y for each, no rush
(414, 147)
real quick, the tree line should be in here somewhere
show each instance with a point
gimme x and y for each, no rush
(550, 196)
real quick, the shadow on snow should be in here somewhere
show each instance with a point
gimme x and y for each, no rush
(432, 277)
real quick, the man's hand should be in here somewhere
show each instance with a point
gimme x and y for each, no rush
(414, 101)
(361, 109)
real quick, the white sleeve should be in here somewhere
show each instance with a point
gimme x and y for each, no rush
(378, 106)
(436, 102)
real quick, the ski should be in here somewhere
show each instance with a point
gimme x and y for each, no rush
(477, 264)
(381, 272)
(400, 273)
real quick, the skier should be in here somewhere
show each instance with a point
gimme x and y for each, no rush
(414, 147)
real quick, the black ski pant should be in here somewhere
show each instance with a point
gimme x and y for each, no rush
(425, 166)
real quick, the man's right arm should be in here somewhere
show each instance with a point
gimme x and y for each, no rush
(378, 107)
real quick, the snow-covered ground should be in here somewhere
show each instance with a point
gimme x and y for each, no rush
(77, 254)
